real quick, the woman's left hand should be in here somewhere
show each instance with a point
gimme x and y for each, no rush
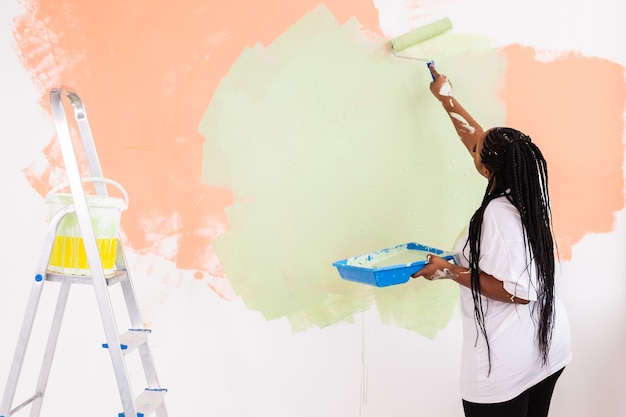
(434, 269)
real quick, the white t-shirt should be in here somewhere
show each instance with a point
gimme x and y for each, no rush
(515, 357)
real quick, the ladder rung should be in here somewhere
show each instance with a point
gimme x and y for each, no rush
(148, 401)
(25, 403)
(131, 339)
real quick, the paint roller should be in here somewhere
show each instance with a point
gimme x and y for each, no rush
(419, 35)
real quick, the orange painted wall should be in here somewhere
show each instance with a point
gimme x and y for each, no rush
(147, 72)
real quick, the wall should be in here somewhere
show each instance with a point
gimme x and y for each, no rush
(260, 142)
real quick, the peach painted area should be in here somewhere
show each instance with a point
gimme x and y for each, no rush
(573, 108)
(146, 71)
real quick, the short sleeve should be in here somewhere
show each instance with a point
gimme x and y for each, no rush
(503, 252)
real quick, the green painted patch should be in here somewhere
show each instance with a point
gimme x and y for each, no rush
(334, 148)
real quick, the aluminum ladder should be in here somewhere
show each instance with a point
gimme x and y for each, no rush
(119, 345)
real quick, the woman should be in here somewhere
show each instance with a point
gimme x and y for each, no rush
(516, 338)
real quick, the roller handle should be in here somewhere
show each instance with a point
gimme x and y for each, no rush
(431, 65)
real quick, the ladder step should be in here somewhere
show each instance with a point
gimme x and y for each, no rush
(148, 401)
(118, 276)
(131, 339)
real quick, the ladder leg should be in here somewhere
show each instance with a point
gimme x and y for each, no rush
(151, 375)
(112, 337)
(128, 290)
(46, 364)
(22, 344)
(136, 320)
(144, 350)
(161, 411)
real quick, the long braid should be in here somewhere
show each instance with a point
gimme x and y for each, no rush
(519, 173)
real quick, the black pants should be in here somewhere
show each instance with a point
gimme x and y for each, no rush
(534, 402)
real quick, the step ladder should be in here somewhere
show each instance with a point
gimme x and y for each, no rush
(152, 398)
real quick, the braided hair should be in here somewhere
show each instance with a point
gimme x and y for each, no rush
(519, 172)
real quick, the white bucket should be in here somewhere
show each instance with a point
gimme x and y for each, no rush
(68, 254)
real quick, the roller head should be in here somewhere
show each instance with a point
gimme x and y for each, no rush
(421, 34)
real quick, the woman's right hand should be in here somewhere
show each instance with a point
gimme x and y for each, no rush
(466, 127)
(441, 86)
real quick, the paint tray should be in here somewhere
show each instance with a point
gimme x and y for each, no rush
(388, 266)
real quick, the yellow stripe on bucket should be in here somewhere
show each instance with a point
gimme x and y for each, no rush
(68, 255)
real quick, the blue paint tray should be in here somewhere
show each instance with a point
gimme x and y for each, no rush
(388, 266)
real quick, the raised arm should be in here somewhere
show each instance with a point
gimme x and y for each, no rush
(466, 127)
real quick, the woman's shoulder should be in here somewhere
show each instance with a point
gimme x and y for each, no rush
(499, 203)
(501, 208)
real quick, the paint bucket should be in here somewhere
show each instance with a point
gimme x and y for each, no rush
(68, 255)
